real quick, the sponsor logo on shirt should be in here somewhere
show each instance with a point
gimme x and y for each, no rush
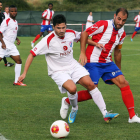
(70, 44)
(65, 53)
(65, 48)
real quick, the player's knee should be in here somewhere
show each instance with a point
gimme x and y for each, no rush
(19, 61)
(90, 85)
(72, 90)
(124, 83)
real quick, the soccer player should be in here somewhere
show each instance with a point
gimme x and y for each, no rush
(98, 62)
(46, 23)
(6, 13)
(62, 67)
(137, 26)
(8, 35)
(89, 20)
(2, 17)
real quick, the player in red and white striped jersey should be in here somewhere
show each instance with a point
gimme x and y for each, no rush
(137, 26)
(46, 23)
(98, 62)
(62, 67)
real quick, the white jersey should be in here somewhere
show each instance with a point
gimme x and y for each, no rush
(88, 24)
(9, 28)
(48, 14)
(6, 15)
(58, 51)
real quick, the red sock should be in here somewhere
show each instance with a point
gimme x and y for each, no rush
(36, 38)
(83, 95)
(134, 34)
(128, 100)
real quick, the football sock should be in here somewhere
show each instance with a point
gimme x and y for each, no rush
(99, 101)
(36, 38)
(4, 59)
(133, 34)
(17, 71)
(128, 100)
(73, 100)
(83, 95)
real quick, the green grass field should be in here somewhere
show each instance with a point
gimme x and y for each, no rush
(26, 113)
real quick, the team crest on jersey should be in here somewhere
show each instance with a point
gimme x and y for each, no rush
(94, 27)
(65, 48)
(70, 44)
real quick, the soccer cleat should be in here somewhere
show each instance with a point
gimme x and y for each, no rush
(135, 119)
(72, 116)
(32, 44)
(19, 84)
(64, 108)
(131, 39)
(109, 116)
(9, 64)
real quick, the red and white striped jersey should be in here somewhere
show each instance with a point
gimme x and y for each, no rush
(9, 28)
(137, 18)
(58, 51)
(103, 32)
(48, 14)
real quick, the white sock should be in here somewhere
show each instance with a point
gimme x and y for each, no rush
(17, 71)
(98, 99)
(73, 100)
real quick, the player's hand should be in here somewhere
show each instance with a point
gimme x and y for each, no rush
(3, 46)
(21, 78)
(82, 59)
(100, 46)
(18, 42)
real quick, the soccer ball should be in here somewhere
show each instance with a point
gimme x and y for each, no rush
(59, 129)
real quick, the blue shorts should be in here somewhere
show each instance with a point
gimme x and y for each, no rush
(137, 28)
(46, 27)
(106, 71)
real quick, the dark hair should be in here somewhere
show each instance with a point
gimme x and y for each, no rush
(123, 10)
(0, 1)
(6, 6)
(58, 19)
(50, 4)
(12, 6)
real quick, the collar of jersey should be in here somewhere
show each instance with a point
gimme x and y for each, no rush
(59, 37)
(114, 25)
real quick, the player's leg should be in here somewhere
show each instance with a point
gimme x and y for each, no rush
(18, 65)
(135, 32)
(127, 97)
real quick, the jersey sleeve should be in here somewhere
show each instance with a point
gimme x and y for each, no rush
(44, 13)
(97, 28)
(77, 36)
(3, 26)
(136, 18)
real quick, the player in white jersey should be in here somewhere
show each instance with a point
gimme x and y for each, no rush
(89, 20)
(98, 62)
(8, 30)
(62, 67)
(137, 26)
(6, 13)
(46, 23)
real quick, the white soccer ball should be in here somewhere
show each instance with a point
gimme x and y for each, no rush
(59, 129)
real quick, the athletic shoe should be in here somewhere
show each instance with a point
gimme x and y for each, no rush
(109, 116)
(19, 84)
(64, 108)
(135, 119)
(32, 44)
(9, 64)
(72, 116)
(131, 39)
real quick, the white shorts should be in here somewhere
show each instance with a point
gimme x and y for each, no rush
(75, 74)
(11, 49)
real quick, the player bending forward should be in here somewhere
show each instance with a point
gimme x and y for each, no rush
(8, 29)
(62, 67)
(110, 34)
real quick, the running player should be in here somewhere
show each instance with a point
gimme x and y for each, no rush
(45, 25)
(62, 67)
(137, 26)
(8, 30)
(98, 62)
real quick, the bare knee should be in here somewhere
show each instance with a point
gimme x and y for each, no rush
(72, 90)
(19, 61)
(90, 86)
(123, 83)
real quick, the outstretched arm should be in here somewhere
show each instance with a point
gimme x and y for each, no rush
(27, 65)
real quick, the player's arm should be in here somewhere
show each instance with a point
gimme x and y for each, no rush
(117, 55)
(27, 65)
(18, 41)
(1, 40)
(46, 18)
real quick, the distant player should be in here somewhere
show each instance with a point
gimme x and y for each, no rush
(2, 17)
(62, 67)
(6, 13)
(8, 35)
(89, 20)
(46, 23)
(137, 26)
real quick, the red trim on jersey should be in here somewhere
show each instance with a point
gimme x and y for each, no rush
(32, 53)
(123, 36)
(108, 46)
(50, 17)
(69, 30)
(49, 39)
(0, 32)
(7, 21)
